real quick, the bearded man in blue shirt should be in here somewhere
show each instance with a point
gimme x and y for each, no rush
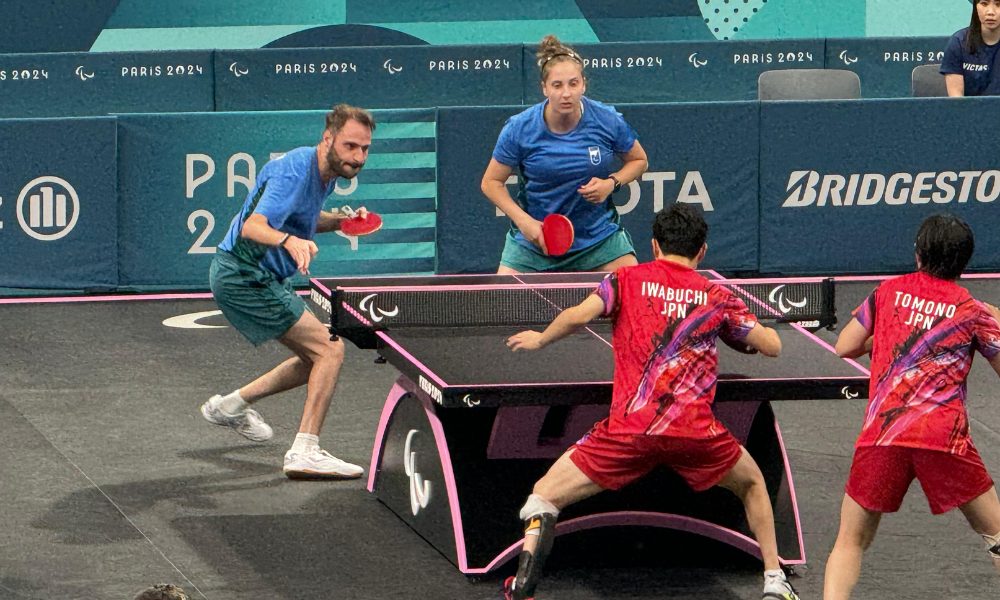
(268, 241)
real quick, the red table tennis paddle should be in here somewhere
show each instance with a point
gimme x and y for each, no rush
(359, 225)
(557, 231)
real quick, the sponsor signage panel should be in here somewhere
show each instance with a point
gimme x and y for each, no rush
(84, 83)
(680, 71)
(719, 178)
(379, 77)
(845, 185)
(58, 203)
(884, 65)
(185, 177)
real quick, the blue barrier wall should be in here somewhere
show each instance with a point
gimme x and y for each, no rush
(817, 187)
(470, 235)
(702, 154)
(705, 155)
(383, 77)
(58, 222)
(184, 178)
(884, 65)
(680, 71)
(91, 84)
(844, 185)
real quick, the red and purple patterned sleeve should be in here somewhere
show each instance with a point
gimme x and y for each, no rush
(608, 293)
(987, 335)
(865, 314)
(739, 319)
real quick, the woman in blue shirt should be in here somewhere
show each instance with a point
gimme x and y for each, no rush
(969, 64)
(563, 150)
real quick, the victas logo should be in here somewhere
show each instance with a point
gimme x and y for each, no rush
(368, 304)
(785, 305)
(48, 208)
(808, 188)
(420, 489)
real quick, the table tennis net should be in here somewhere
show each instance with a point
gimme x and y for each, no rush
(810, 302)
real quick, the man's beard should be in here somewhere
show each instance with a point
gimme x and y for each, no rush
(339, 167)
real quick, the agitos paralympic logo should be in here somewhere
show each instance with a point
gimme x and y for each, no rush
(809, 188)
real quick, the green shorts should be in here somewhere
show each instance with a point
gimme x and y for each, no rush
(252, 299)
(531, 260)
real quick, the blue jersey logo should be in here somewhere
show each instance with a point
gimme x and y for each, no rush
(595, 155)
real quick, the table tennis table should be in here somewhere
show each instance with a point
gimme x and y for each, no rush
(469, 426)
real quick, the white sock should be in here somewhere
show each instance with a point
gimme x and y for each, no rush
(305, 442)
(775, 574)
(233, 404)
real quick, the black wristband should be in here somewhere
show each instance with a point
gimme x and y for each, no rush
(618, 184)
(284, 239)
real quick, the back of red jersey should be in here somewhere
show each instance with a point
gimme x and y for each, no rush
(666, 320)
(925, 331)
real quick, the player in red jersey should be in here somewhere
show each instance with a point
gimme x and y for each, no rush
(921, 330)
(666, 320)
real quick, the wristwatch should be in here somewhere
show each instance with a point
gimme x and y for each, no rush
(284, 239)
(618, 184)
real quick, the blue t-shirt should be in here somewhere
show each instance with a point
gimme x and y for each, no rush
(554, 166)
(979, 70)
(290, 193)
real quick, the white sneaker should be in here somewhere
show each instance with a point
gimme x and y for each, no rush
(319, 464)
(778, 588)
(249, 423)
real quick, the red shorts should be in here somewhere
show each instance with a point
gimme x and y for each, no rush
(880, 476)
(612, 460)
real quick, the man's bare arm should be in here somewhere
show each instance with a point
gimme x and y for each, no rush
(259, 230)
(854, 341)
(764, 339)
(568, 322)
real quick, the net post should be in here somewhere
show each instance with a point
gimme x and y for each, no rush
(335, 304)
(828, 311)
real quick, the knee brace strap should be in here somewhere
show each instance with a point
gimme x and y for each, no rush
(530, 564)
(536, 505)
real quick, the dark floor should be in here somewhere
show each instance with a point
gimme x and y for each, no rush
(110, 480)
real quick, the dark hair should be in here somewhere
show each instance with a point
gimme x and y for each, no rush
(680, 229)
(974, 38)
(944, 245)
(342, 113)
(552, 52)
(162, 591)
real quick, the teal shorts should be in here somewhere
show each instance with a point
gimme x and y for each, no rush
(252, 299)
(531, 260)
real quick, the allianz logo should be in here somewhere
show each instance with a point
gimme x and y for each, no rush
(810, 188)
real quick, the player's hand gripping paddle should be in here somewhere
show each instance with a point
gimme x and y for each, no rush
(357, 224)
(557, 231)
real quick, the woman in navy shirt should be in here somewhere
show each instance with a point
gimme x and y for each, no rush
(563, 150)
(969, 64)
